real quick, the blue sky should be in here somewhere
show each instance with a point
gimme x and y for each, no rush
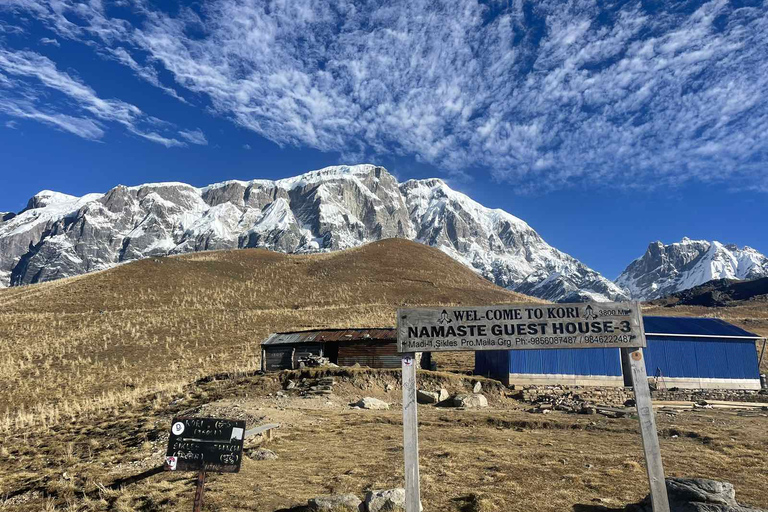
(604, 125)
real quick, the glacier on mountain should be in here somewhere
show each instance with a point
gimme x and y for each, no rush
(666, 269)
(335, 208)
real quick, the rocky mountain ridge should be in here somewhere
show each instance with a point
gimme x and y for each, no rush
(719, 293)
(668, 269)
(335, 208)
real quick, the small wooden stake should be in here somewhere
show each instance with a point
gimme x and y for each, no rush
(410, 434)
(198, 506)
(653, 465)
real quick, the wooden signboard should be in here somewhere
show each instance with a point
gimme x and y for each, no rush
(526, 326)
(205, 444)
(520, 326)
(202, 445)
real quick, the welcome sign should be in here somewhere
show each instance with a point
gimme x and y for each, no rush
(521, 326)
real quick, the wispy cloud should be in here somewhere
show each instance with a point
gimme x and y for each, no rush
(82, 127)
(194, 136)
(543, 95)
(147, 73)
(50, 41)
(24, 93)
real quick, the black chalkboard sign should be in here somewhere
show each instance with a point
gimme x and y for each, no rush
(205, 444)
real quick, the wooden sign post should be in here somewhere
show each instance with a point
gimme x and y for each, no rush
(410, 433)
(519, 327)
(203, 445)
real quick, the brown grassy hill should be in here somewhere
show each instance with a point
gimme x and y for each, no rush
(98, 340)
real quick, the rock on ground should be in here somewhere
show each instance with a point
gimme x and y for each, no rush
(697, 495)
(335, 503)
(262, 454)
(371, 403)
(390, 500)
(470, 401)
(427, 397)
(477, 388)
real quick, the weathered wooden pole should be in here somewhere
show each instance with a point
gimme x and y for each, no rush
(410, 434)
(198, 505)
(645, 415)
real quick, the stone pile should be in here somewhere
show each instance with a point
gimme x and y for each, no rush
(576, 401)
(697, 395)
(618, 396)
(313, 361)
(310, 387)
(389, 500)
(570, 398)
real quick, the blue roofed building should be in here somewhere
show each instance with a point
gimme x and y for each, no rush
(694, 353)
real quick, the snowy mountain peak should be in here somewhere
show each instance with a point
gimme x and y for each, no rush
(329, 209)
(48, 197)
(667, 269)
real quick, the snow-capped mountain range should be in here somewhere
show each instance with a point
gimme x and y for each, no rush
(335, 208)
(667, 269)
(338, 207)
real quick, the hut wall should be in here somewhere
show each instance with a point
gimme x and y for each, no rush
(369, 353)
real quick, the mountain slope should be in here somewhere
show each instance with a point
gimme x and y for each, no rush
(667, 269)
(719, 293)
(331, 209)
(161, 321)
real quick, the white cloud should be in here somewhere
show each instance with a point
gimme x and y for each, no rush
(147, 73)
(50, 41)
(194, 136)
(85, 128)
(156, 137)
(11, 124)
(542, 94)
(247, 146)
(25, 94)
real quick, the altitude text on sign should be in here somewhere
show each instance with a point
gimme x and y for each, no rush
(521, 326)
(205, 444)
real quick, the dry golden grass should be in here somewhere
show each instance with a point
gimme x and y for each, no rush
(95, 341)
(501, 458)
(95, 367)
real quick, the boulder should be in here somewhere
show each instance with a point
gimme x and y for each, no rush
(390, 500)
(262, 454)
(478, 387)
(697, 495)
(443, 395)
(371, 403)
(427, 397)
(470, 401)
(335, 503)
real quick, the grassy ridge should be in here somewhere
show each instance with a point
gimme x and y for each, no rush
(98, 340)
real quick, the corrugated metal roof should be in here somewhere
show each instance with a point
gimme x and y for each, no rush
(288, 338)
(694, 327)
